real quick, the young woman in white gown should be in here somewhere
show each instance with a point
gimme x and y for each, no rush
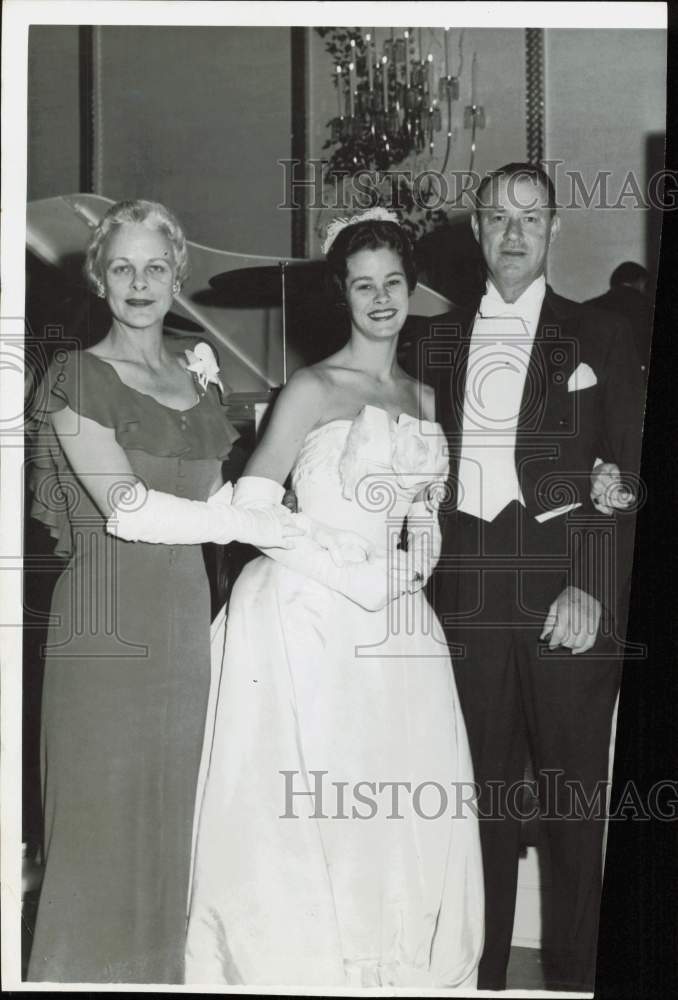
(337, 843)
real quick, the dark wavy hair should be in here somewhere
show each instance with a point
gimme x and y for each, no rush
(372, 234)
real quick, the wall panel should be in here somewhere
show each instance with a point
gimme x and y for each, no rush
(605, 100)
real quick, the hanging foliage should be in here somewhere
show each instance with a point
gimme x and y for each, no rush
(357, 144)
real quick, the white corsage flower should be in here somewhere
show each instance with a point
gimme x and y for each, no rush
(202, 361)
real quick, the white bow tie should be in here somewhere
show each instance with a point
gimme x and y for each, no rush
(527, 307)
(494, 305)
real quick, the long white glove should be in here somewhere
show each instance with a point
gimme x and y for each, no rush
(371, 581)
(424, 540)
(141, 515)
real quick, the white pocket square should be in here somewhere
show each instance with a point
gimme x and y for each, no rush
(556, 512)
(583, 377)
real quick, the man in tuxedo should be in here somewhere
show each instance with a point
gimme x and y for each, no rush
(532, 389)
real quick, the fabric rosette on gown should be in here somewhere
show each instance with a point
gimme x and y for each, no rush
(337, 843)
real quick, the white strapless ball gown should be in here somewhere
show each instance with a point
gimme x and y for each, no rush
(318, 695)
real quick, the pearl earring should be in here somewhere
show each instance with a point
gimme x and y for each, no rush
(101, 291)
(176, 288)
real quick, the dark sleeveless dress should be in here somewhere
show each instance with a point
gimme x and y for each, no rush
(126, 683)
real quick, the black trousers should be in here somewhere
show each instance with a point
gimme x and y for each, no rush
(492, 590)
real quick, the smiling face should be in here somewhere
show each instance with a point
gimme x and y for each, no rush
(137, 267)
(515, 228)
(376, 293)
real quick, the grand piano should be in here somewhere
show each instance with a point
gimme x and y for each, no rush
(266, 315)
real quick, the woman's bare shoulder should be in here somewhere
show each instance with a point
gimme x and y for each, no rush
(302, 398)
(331, 367)
(305, 382)
(330, 376)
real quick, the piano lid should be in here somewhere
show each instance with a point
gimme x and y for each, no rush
(250, 335)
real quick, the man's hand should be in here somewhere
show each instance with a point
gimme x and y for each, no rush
(607, 490)
(572, 621)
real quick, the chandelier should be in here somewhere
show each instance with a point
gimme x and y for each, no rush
(395, 97)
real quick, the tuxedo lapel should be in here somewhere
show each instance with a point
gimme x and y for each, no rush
(544, 411)
(459, 386)
(454, 338)
(535, 390)
(448, 348)
(544, 374)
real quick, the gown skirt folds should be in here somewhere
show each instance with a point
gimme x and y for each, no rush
(337, 843)
(126, 684)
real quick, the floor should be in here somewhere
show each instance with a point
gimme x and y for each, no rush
(29, 908)
(524, 971)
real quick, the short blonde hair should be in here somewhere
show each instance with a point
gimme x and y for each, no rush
(151, 214)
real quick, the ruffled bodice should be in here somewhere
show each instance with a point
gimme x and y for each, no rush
(174, 451)
(362, 475)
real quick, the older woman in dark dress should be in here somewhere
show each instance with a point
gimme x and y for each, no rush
(134, 434)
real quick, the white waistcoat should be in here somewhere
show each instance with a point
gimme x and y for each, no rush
(498, 362)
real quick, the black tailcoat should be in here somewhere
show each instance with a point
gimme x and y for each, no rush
(492, 588)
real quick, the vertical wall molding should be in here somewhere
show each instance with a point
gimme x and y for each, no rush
(97, 113)
(90, 117)
(299, 62)
(534, 98)
(86, 106)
